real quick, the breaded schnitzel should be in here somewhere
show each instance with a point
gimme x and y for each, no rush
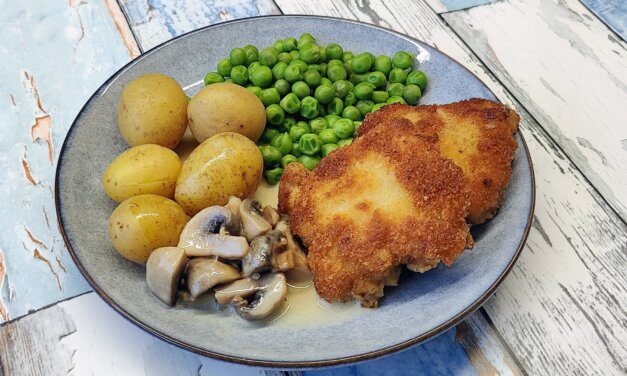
(477, 135)
(387, 199)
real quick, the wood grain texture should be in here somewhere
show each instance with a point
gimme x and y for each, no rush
(562, 308)
(569, 71)
(441, 6)
(157, 21)
(53, 58)
(612, 12)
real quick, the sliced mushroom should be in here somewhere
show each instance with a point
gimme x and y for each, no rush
(204, 273)
(253, 223)
(269, 298)
(262, 251)
(233, 205)
(242, 288)
(270, 214)
(299, 272)
(211, 233)
(163, 272)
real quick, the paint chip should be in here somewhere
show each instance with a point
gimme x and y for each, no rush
(27, 172)
(38, 256)
(3, 310)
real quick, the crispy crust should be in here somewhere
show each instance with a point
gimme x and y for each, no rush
(294, 175)
(477, 135)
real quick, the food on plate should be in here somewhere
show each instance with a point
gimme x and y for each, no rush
(386, 200)
(164, 270)
(152, 110)
(144, 223)
(477, 135)
(224, 165)
(315, 96)
(225, 107)
(142, 169)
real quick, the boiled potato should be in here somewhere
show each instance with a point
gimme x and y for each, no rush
(227, 164)
(142, 169)
(144, 223)
(152, 110)
(225, 107)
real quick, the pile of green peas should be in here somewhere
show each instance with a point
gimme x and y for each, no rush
(316, 97)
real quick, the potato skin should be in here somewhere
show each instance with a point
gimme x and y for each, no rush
(227, 164)
(226, 107)
(144, 223)
(152, 110)
(140, 170)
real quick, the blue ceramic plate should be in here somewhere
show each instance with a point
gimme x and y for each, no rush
(420, 308)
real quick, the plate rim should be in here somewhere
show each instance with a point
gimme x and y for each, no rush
(269, 363)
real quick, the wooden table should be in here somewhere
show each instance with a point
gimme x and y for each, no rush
(562, 64)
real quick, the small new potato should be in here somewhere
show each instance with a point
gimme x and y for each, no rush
(226, 107)
(152, 110)
(227, 164)
(142, 169)
(144, 223)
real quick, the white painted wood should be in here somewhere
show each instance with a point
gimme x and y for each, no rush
(569, 71)
(562, 309)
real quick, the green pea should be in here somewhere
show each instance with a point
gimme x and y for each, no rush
(290, 103)
(304, 125)
(237, 56)
(268, 134)
(310, 162)
(357, 78)
(269, 96)
(383, 64)
(284, 57)
(322, 110)
(350, 99)
(310, 53)
(297, 132)
(255, 90)
(378, 79)
(372, 58)
(417, 78)
(288, 123)
(396, 89)
(315, 67)
(229, 81)
(342, 87)
(275, 114)
(301, 89)
(296, 150)
(324, 94)
(397, 75)
(334, 51)
(295, 55)
(282, 142)
(268, 57)
(278, 70)
(287, 159)
(327, 136)
(412, 94)
(273, 176)
(282, 86)
(395, 99)
(251, 48)
(345, 142)
(312, 77)
(323, 69)
(335, 62)
(271, 155)
(326, 81)
(310, 144)
(278, 45)
(309, 108)
(380, 96)
(212, 78)
(336, 72)
(344, 128)
(361, 63)
(377, 106)
(357, 124)
(318, 124)
(402, 60)
(351, 112)
(251, 56)
(239, 74)
(292, 73)
(252, 67)
(363, 90)
(347, 56)
(261, 77)
(364, 106)
(224, 67)
(289, 44)
(335, 107)
(323, 55)
(348, 66)
(302, 66)
(331, 119)
(305, 39)
(327, 148)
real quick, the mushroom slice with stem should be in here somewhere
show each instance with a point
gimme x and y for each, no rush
(233, 205)
(242, 287)
(300, 269)
(204, 273)
(212, 232)
(271, 215)
(253, 223)
(163, 272)
(269, 298)
(262, 251)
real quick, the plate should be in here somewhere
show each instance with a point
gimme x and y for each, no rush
(420, 308)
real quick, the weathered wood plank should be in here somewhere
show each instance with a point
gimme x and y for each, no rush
(612, 12)
(155, 22)
(569, 71)
(441, 6)
(562, 308)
